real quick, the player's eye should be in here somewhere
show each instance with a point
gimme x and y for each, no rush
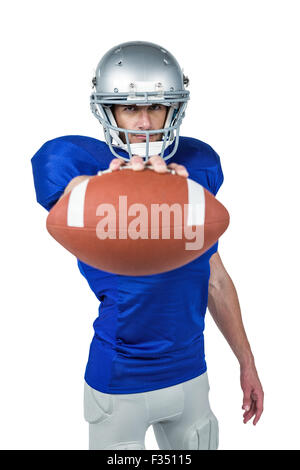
(155, 107)
(130, 108)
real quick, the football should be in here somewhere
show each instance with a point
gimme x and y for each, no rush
(137, 223)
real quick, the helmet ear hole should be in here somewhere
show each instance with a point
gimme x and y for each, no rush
(186, 80)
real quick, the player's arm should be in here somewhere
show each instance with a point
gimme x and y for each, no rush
(74, 182)
(223, 305)
(137, 163)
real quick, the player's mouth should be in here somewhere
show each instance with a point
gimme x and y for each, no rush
(142, 137)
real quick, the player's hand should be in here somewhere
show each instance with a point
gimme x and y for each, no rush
(253, 394)
(157, 163)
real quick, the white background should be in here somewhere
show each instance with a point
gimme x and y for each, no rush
(242, 58)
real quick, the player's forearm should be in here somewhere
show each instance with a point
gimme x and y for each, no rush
(74, 182)
(224, 307)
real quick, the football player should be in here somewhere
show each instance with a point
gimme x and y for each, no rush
(146, 363)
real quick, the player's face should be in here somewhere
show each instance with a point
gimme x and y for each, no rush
(140, 118)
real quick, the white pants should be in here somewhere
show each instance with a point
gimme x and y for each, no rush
(180, 415)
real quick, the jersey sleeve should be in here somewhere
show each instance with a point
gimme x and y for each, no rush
(55, 164)
(216, 179)
(216, 176)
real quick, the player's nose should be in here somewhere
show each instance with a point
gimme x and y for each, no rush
(144, 121)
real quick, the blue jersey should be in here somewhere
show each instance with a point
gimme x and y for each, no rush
(149, 329)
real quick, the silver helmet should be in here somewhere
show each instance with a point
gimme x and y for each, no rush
(139, 73)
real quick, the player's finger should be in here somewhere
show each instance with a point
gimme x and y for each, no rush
(247, 399)
(137, 163)
(247, 404)
(158, 164)
(250, 413)
(259, 408)
(179, 169)
(115, 164)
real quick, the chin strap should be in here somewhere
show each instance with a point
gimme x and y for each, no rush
(154, 148)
